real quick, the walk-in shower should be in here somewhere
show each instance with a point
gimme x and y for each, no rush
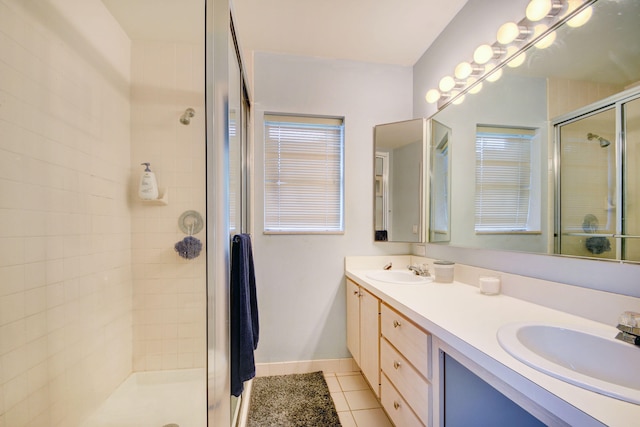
(597, 191)
(95, 301)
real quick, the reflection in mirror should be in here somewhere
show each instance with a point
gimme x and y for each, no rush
(399, 160)
(583, 66)
(595, 213)
(440, 182)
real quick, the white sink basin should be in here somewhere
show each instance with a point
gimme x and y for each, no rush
(578, 356)
(398, 276)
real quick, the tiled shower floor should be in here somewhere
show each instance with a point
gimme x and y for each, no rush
(356, 404)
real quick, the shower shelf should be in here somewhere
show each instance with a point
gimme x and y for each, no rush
(162, 200)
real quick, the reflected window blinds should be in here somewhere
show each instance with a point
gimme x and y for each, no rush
(503, 179)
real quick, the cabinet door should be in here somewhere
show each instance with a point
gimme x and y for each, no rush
(353, 320)
(370, 339)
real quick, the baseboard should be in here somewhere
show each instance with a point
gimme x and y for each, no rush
(305, 366)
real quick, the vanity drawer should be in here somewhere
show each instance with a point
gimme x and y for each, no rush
(396, 407)
(407, 381)
(411, 341)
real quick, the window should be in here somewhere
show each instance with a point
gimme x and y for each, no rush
(503, 179)
(303, 168)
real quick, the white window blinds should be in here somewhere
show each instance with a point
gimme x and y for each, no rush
(503, 179)
(303, 167)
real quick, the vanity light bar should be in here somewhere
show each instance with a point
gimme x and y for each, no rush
(537, 29)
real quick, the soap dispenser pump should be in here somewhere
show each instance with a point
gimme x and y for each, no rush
(148, 189)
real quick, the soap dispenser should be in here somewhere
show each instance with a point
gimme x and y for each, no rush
(148, 189)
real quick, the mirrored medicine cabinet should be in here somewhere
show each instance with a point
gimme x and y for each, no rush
(412, 202)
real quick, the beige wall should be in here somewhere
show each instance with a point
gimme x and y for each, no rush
(169, 291)
(65, 227)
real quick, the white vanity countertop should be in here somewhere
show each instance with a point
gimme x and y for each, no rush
(468, 321)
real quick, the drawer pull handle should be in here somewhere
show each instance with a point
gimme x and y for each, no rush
(396, 405)
(396, 324)
(356, 293)
(396, 364)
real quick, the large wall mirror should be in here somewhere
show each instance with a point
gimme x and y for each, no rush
(398, 181)
(554, 144)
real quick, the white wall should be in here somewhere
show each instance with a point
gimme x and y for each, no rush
(457, 43)
(300, 278)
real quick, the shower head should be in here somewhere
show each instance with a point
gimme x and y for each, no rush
(603, 142)
(185, 119)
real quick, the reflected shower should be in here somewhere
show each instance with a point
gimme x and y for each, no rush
(603, 142)
(185, 119)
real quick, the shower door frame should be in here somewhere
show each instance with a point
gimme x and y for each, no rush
(613, 102)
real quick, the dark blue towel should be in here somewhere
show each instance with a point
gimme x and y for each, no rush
(243, 313)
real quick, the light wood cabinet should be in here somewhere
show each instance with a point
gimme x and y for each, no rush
(405, 363)
(363, 332)
(396, 407)
(353, 320)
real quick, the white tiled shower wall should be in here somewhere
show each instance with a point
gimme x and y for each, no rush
(65, 225)
(90, 287)
(169, 291)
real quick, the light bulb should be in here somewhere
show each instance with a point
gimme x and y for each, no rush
(492, 77)
(459, 100)
(546, 41)
(538, 9)
(447, 83)
(483, 54)
(581, 18)
(495, 76)
(518, 60)
(432, 96)
(463, 70)
(508, 32)
(477, 88)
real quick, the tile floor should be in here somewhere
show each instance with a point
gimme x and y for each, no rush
(356, 404)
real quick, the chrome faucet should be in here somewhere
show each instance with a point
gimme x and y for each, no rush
(629, 328)
(419, 270)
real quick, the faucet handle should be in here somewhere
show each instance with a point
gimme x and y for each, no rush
(420, 270)
(629, 327)
(630, 318)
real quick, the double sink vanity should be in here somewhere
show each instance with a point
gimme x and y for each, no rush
(424, 347)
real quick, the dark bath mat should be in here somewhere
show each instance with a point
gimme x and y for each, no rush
(297, 400)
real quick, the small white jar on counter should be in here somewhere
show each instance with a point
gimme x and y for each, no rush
(489, 285)
(443, 271)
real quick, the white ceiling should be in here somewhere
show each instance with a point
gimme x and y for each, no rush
(381, 31)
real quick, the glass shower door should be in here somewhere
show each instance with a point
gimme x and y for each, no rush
(587, 184)
(599, 183)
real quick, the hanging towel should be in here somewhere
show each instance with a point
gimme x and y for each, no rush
(243, 313)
